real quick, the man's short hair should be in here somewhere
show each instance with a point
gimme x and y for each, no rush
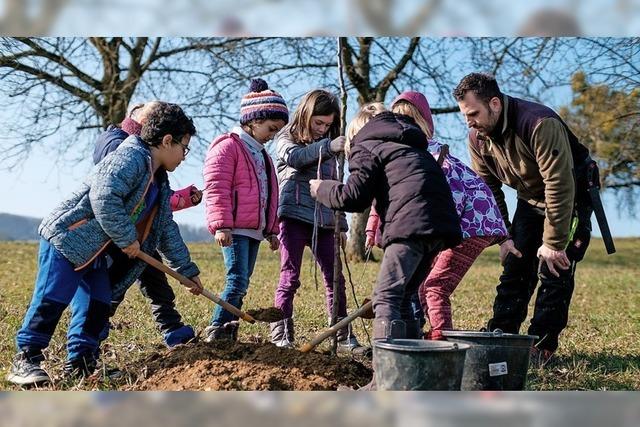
(484, 86)
(166, 119)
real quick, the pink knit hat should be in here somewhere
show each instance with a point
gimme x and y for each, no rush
(419, 101)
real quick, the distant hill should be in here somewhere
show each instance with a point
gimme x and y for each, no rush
(17, 227)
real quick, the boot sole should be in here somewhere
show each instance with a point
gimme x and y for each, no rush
(18, 380)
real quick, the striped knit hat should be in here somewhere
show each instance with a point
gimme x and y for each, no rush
(262, 103)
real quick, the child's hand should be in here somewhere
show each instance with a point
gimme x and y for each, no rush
(274, 242)
(337, 145)
(314, 184)
(198, 288)
(223, 237)
(132, 250)
(370, 241)
(196, 196)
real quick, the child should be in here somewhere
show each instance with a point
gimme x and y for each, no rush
(311, 136)
(480, 220)
(153, 282)
(241, 197)
(124, 202)
(389, 164)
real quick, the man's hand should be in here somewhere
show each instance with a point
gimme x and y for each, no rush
(314, 184)
(196, 196)
(508, 247)
(132, 250)
(223, 237)
(274, 242)
(198, 288)
(553, 259)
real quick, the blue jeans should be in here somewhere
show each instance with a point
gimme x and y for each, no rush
(55, 286)
(239, 260)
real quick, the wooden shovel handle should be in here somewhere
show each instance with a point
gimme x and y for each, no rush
(332, 330)
(189, 284)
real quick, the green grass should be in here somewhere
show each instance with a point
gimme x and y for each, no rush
(599, 350)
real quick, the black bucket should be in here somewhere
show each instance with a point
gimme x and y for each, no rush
(404, 364)
(495, 361)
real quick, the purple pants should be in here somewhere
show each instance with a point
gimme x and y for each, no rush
(294, 236)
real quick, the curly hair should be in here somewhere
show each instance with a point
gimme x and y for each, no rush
(483, 85)
(166, 119)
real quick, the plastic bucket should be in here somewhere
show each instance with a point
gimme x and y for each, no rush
(404, 364)
(495, 361)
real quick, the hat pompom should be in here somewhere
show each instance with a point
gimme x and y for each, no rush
(258, 85)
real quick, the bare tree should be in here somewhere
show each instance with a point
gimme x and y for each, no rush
(60, 86)
(71, 87)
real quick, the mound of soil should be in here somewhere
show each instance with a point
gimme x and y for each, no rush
(271, 314)
(225, 365)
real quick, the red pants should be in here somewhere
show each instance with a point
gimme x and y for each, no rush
(448, 270)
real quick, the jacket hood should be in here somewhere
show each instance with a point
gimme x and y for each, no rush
(107, 142)
(419, 101)
(390, 127)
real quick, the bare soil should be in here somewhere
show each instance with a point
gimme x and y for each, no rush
(226, 365)
(271, 314)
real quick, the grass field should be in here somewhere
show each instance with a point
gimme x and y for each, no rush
(599, 350)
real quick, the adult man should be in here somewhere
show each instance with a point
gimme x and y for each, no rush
(153, 283)
(528, 147)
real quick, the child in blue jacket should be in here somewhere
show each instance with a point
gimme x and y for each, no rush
(124, 203)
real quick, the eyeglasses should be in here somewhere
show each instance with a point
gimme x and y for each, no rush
(185, 148)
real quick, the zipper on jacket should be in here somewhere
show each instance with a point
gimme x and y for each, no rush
(252, 162)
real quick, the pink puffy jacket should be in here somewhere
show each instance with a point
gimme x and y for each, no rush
(232, 190)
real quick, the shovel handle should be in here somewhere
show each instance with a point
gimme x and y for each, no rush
(189, 284)
(334, 329)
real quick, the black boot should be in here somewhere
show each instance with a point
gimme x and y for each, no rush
(384, 329)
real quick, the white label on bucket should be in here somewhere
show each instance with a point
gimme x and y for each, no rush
(497, 369)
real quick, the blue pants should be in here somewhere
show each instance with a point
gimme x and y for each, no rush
(239, 260)
(153, 285)
(55, 286)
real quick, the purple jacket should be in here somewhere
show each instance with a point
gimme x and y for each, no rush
(477, 208)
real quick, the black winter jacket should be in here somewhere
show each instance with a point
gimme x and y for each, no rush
(389, 164)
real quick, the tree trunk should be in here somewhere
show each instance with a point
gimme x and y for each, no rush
(355, 248)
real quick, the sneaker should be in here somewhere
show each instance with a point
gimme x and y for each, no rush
(370, 386)
(80, 367)
(26, 370)
(181, 335)
(351, 345)
(539, 358)
(228, 331)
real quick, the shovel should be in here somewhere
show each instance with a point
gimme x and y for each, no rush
(334, 329)
(189, 284)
